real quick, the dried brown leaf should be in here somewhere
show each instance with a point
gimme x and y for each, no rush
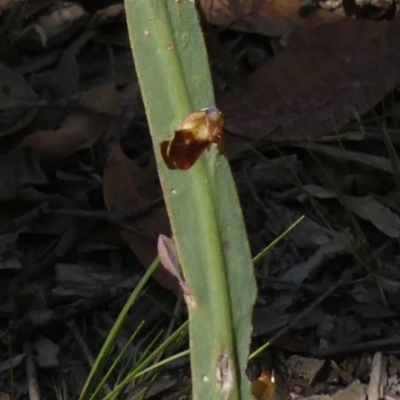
(108, 14)
(54, 27)
(370, 209)
(267, 17)
(322, 79)
(79, 131)
(127, 187)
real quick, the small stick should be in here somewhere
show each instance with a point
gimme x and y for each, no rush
(375, 380)
(372, 345)
(113, 218)
(85, 349)
(31, 375)
(303, 314)
(307, 311)
(26, 327)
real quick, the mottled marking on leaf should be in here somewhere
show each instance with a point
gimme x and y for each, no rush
(188, 297)
(225, 374)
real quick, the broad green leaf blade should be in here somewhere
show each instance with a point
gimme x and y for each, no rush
(202, 202)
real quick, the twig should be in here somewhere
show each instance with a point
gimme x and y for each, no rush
(24, 220)
(108, 216)
(27, 326)
(303, 314)
(72, 236)
(73, 103)
(375, 380)
(33, 385)
(114, 218)
(372, 345)
(307, 311)
(85, 349)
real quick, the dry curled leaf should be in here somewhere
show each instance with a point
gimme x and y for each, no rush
(126, 187)
(80, 130)
(370, 209)
(268, 17)
(321, 80)
(53, 27)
